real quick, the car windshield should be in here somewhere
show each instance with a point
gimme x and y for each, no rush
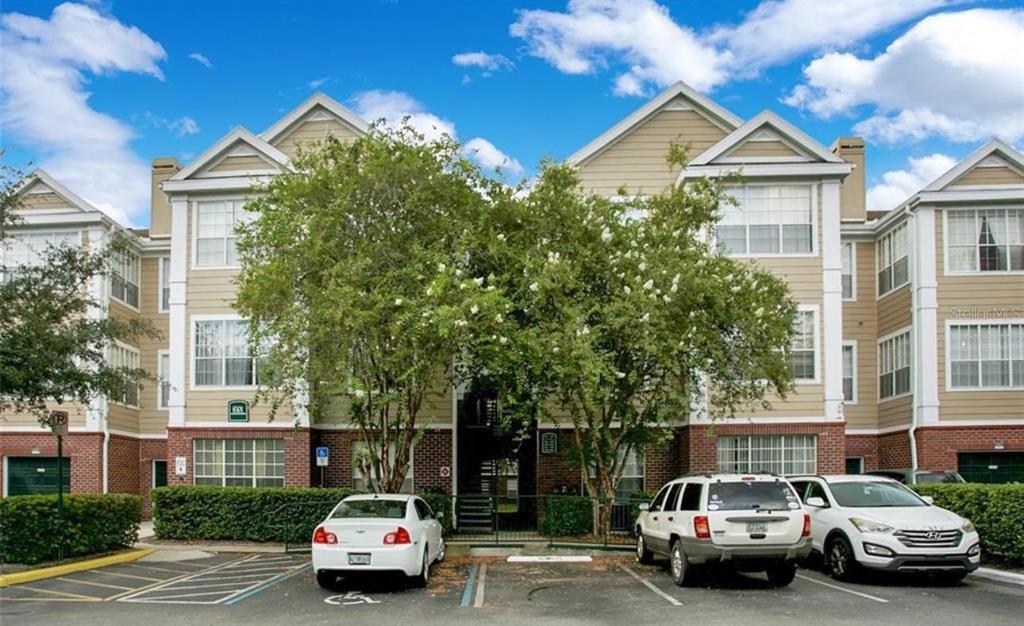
(936, 477)
(754, 495)
(874, 494)
(376, 508)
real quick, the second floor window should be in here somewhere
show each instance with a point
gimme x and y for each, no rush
(894, 366)
(122, 356)
(29, 249)
(767, 220)
(848, 260)
(849, 374)
(215, 236)
(893, 265)
(165, 284)
(124, 277)
(985, 241)
(802, 353)
(986, 355)
(222, 355)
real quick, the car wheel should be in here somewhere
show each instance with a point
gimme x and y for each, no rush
(440, 555)
(643, 555)
(326, 580)
(682, 571)
(840, 562)
(781, 574)
(421, 579)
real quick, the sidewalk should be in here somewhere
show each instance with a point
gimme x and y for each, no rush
(147, 539)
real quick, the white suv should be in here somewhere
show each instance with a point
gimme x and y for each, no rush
(877, 523)
(754, 522)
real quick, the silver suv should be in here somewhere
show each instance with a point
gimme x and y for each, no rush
(754, 522)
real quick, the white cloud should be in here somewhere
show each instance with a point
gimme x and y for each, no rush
(180, 127)
(957, 75)
(318, 83)
(46, 104)
(651, 49)
(898, 185)
(487, 62)
(394, 106)
(201, 59)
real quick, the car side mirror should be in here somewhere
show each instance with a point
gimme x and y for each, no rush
(816, 501)
(930, 500)
(644, 507)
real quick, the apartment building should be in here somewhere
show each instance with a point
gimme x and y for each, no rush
(909, 351)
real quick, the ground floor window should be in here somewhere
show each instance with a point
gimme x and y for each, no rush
(362, 468)
(854, 465)
(239, 462)
(632, 480)
(781, 454)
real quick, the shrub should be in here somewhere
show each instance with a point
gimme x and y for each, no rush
(288, 514)
(996, 510)
(93, 523)
(568, 516)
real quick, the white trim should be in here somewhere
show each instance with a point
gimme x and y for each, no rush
(945, 244)
(194, 231)
(235, 183)
(888, 430)
(211, 425)
(749, 170)
(924, 373)
(1001, 194)
(346, 426)
(816, 310)
(889, 230)
(236, 134)
(193, 323)
(853, 270)
(159, 385)
(878, 368)
(47, 219)
(991, 146)
(319, 98)
(950, 323)
(832, 300)
(125, 433)
(767, 419)
(178, 320)
(56, 187)
(852, 343)
(782, 127)
(163, 260)
(16, 429)
(137, 308)
(1010, 421)
(815, 209)
(715, 113)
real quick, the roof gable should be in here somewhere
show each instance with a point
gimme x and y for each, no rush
(994, 154)
(317, 107)
(238, 153)
(39, 190)
(788, 144)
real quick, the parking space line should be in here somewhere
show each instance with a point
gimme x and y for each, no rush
(255, 569)
(183, 577)
(156, 569)
(246, 593)
(202, 585)
(838, 588)
(479, 601)
(137, 577)
(467, 593)
(74, 596)
(239, 579)
(650, 585)
(95, 584)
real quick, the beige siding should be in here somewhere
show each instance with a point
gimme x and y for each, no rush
(860, 324)
(11, 420)
(975, 297)
(305, 133)
(123, 418)
(895, 412)
(989, 176)
(248, 163)
(637, 160)
(436, 409)
(894, 311)
(152, 420)
(755, 149)
(48, 200)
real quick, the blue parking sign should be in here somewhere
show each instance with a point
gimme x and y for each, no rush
(322, 455)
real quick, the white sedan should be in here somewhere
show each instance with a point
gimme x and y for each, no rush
(378, 533)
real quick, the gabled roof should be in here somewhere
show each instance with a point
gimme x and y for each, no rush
(40, 175)
(720, 115)
(992, 146)
(237, 134)
(317, 99)
(786, 131)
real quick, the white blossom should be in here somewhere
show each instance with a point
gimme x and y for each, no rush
(666, 299)
(736, 289)
(674, 288)
(479, 281)
(430, 291)
(649, 284)
(620, 375)
(534, 286)
(398, 302)
(646, 317)
(359, 393)
(461, 323)
(503, 340)
(759, 312)
(643, 266)
(498, 318)
(606, 235)
(628, 290)
(501, 236)
(474, 309)
(441, 267)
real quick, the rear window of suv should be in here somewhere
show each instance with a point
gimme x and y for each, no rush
(751, 496)
(377, 508)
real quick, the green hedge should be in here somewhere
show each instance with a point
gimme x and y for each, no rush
(996, 510)
(567, 516)
(288, 514)
(93, 523)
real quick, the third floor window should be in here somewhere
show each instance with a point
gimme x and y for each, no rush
(893, 264)
(991, 240)
(215, 232)
(767, 220)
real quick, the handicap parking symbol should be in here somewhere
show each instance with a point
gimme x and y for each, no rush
(351, 598)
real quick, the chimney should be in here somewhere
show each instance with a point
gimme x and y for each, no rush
(160, 207)
(852, 198)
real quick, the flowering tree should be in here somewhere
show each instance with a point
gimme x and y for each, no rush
(355, 276)
(623, 313)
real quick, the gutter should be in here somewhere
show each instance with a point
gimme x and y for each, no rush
(914, 369)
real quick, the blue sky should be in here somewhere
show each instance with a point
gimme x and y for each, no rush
(93, 91)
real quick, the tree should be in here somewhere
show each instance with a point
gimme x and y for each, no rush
(52, 349)
(623, 314)
(355, 276)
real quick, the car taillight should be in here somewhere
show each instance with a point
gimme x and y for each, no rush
(398, 537)
(807, 526)
(322, 536)
(701, 528)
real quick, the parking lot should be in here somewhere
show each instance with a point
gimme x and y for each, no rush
(277, 588)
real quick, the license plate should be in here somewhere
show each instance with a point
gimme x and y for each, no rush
(359, 559)
(757, 527)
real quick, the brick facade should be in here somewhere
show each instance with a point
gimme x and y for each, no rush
(430, 454)
(937, 446)
(123, 475)
(831, 442)
(865, 447)
(298, 452)
(151, 450)
(85, 450)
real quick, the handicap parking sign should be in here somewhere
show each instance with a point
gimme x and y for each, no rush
(322, 455)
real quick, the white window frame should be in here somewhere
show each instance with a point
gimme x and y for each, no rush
(49, 236)
(814, 190)
(910, 363)
(640, 456)
(194, 325)
(132, 265)
(852, 344)
(238, 203)
(134, 353)
(815, 310)
(223, 462)
(410, 474)
(749, 447)
(950, 324)
(163, 270)
(946, 271)
(163, 397)
(852, 246)
(889, 235)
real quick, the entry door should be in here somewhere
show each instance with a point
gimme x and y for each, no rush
(34, 475)
(159, 473)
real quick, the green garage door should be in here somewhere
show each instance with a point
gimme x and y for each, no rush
(33, 475)
(991, 467)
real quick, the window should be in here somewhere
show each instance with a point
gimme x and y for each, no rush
(893, 269)
(215, 236)
(691, 497)
(361, 466)
(29, 249)
(222, 355)
(854, 465)
(163, 372)
(985, 241)
(986, 355)
(850, 372)
(894, 366)
(165, 284)
(781, 454)
(124, 277)
(659, 499)
(422, 510)
(126, 357)
(632, 480)
(672, 498)
(767, 220)
(802, 355)
(849, 259)
(239, 462)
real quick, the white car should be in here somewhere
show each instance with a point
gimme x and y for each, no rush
(754, 523)
(877, 523)
(378, 533)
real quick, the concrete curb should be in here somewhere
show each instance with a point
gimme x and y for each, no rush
(18, 578)
(999, 575)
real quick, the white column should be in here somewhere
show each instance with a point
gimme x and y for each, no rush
(178, 319)
(96, 410)
(832, 300)
(925, 332)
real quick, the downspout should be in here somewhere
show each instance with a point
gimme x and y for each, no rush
(915, 390)
(106, 403)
